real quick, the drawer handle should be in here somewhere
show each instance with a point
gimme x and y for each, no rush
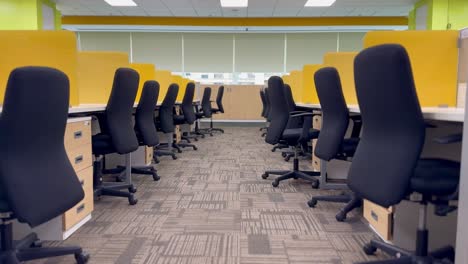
(79, 159)
(78, 134)
(80, 208)
(374, 216)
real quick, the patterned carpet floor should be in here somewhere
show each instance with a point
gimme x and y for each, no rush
(212, 206)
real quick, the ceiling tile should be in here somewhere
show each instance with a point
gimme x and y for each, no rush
(184, 12)
(286, 12)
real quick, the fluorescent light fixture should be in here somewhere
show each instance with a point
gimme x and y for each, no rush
(234, 3)
(121, 2)
(315, 3)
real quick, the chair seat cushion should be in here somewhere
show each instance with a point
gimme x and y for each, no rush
(179, 119)
(102, 144)
(435, 177)
(293, 135)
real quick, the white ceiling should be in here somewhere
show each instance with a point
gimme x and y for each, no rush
(256, 8)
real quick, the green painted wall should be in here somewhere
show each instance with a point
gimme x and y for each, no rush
(442, 14)
(25, 14)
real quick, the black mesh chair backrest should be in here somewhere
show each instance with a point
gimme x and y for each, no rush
(268, 104)
(289, 98)
(219, 99)
(144, 116)
(166, 111)
(206, 102)
(279, 110)
(335, 114)
(393, 125)
(119, 110)
(264, 107)
(37, 180)
(187, 104)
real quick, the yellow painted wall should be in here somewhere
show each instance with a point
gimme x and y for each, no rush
(309, 92)
(147, 72)
(164, 78)
(434, 60)
(95, 74)
(55, 49)
(344, 63)
(25, 14)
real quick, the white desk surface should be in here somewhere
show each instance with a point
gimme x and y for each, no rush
(431, 113)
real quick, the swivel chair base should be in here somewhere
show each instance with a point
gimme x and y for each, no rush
(420, 256)
(143, 170)
(294, 174)
(185, 145)
(351, 200)
(279, 146)
(111, 189)
(159, 153)
(30, 248)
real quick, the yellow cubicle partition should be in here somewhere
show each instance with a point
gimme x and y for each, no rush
(147, 72)
(309, 92)
(164, 78)
(56, 49)
(177, 79)
(434, 60)
(95, 74)
(296, 85)
(344, 63)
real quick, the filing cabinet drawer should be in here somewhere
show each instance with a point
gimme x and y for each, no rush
(317, 122)
(77, 134)
(85, 206)
(148, 155)
(380, 218)
(80, 157)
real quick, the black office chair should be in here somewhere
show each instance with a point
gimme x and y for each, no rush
(219, 109)
(165, 122)
(47, 186)
(144, 124)
(187, 116)
(293, 137)
(264, 108)
(387, 166)
(205, 112)
(117, 134)
(268, 110)
(331, 143)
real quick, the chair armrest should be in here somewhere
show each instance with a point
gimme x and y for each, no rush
(449, 139)
(298, 112)
(304, 114)
(355, 117)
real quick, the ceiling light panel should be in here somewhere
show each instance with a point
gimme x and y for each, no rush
(234, 3)
(315, 3)
(121, 2)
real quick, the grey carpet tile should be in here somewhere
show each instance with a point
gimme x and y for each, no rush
(212, 206)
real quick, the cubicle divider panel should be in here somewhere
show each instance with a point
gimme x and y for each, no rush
(165, 79)
(56, 49)
(95, 74)
(309, 92)
(434, 60)
(462, 69)
(344, 63)
(147, 72)
(296, 85)
(177, 79)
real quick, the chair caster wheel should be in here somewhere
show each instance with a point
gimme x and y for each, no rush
(132, 200)
(369, 249)
(275, 184)
(118, 179)
(132, 189)
(264, 176)
(82, 258)
(273, 150)
(174, 157)
(196, 139)
(156, 177)
(179, 151)
(211, 134)
(341, 216)
(312, 203)
(195, 148)
(287, 159)
(283, 155)
(315, 184)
